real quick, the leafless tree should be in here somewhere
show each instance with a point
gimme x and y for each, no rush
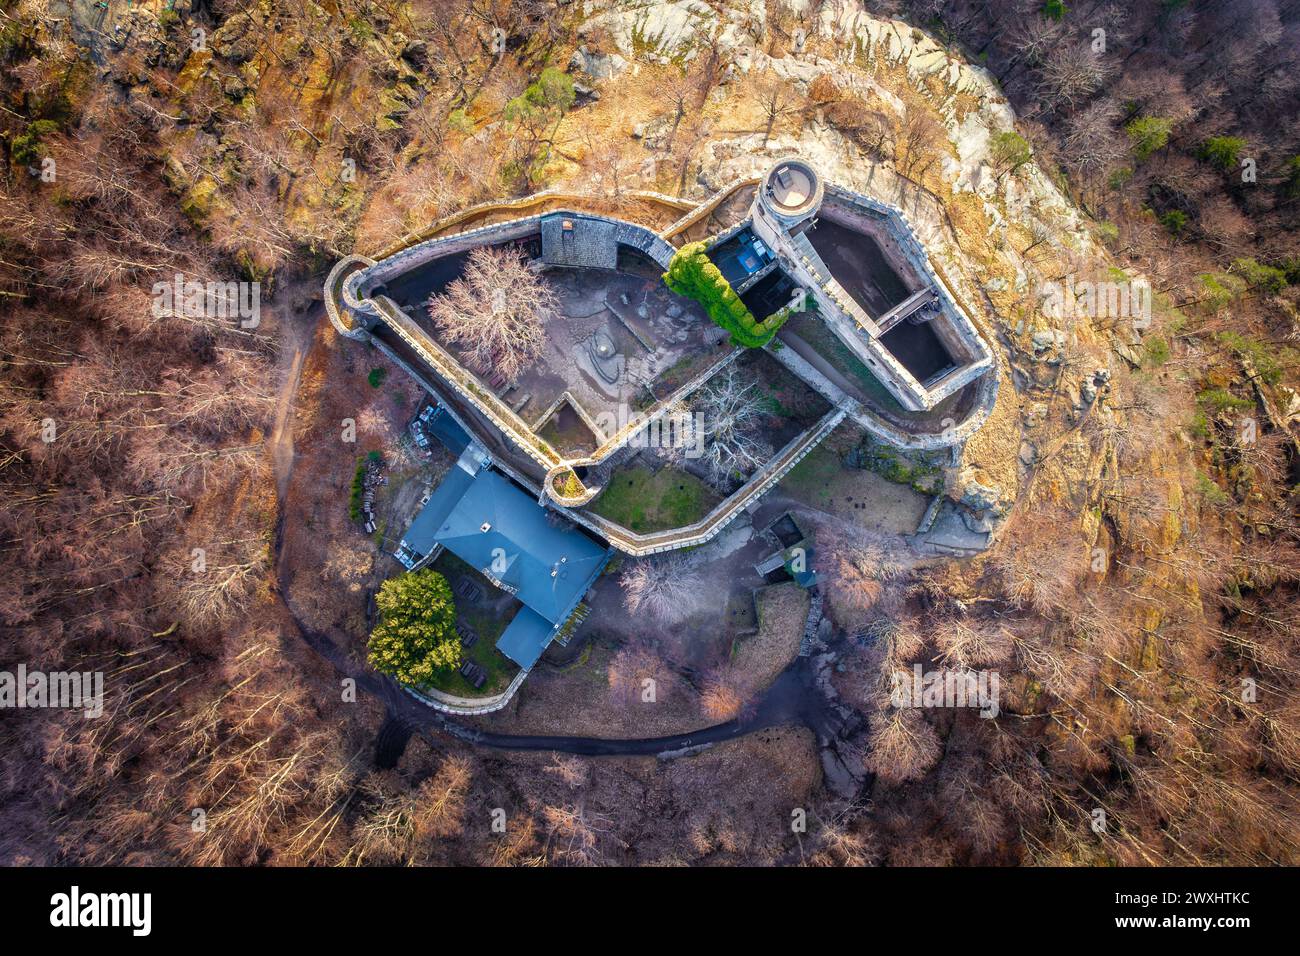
(573, 834)
(495, 313)
(666, 588)
(777, 98)
(903, 745)
(921, 138)
(1073, 72)
(722, 697)
(440, 801)
(636, 667)
(857, 564)
(572, 771)
(727, 423)
(1091, 144)
(678, 90)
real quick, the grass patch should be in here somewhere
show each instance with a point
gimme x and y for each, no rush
(488, 622)
(809, 479)
(813, 330)
(645, 501)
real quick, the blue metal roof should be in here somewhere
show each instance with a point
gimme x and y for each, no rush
(494, 526)
(448, 431)
(526, 637)
(504, 533)
(421, 536)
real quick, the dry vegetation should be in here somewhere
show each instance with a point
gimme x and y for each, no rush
(130, 436)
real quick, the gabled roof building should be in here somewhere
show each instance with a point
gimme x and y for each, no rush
(528, 550)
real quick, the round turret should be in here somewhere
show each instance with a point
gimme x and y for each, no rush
(790, 192)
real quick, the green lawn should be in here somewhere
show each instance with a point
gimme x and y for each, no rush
(812, 329)
(643, 501)
(813, 478)
(488, 623)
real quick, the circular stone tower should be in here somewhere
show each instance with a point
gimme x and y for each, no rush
(791, 192)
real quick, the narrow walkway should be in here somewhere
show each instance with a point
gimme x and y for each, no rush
(814, 358)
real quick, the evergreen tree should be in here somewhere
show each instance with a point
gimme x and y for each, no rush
(415, 637)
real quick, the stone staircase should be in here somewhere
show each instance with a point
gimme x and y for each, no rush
(831, 288)
(810, 643)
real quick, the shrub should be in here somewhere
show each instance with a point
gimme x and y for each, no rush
(459, 121)
(1148, 133)
(1220, 290)
(692, 274)
(1010, 151)
(1259, 276)
(27, 147)
(1268, 360)
(377, 376)
(1290, 267)
(358, 489)
(1157, 350)
(1200, 425)
(1208, 490)
(1222, 151)
(552, 92)
(1222, 400)
(1175, 220)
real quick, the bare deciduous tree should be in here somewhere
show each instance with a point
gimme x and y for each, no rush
(665, 588)
(727, 425)
(903, 745)
(1073, 72)
(496, 312)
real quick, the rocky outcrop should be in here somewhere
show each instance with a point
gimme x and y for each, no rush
(236, 40)
(840, 736)
(598, 66)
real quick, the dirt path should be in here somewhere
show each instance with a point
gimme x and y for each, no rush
(792, 698)
(281, 435)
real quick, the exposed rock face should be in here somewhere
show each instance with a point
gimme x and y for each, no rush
(1047, 345)
(969, 223)
(978, 497)
(841, 758)
(138, 30)
(236, 40)
(598, 66)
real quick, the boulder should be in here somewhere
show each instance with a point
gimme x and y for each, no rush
(236, 40)
(1046, 342)
(979, 497)
(598, 66)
